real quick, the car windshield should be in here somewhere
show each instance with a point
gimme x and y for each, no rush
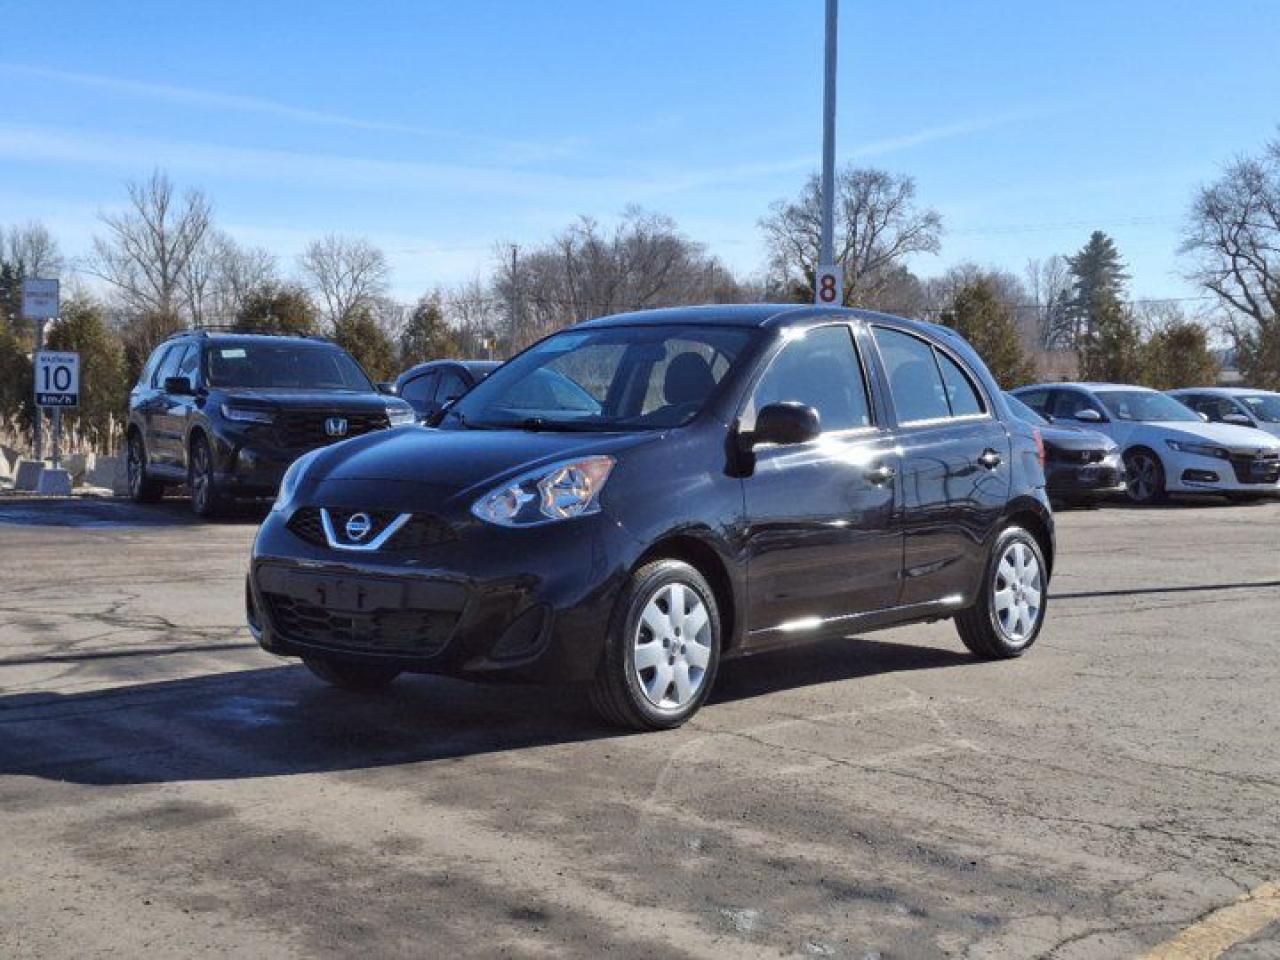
(1264, 406)
(1023, 412)
(608, 378)
(284, 366)
(1145, 406)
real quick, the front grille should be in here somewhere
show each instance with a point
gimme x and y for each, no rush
(1242, 464)
(421, 633)
(305, 429)
(1076, 456)
(423, 530)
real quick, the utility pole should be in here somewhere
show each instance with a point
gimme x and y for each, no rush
(828, 281)
(515, 298)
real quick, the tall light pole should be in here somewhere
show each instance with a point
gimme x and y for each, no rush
(828, 281)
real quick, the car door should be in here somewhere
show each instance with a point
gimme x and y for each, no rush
(156, 404)
(169, 417)
(179, 408)
(956, 473)
(821, 539)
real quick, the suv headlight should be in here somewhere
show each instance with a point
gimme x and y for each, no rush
(245, 415)
(289, 482)
(1199, 449)
(560, 491)
(400, 416)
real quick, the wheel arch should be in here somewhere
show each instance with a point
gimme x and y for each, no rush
(709, 560)
(1039, 526)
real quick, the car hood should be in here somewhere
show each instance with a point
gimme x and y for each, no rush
(438, 464)
(1067, 437)
(335, 400)
(1226, 434)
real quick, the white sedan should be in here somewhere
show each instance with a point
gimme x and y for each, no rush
(1168, 448)
(1238, 405)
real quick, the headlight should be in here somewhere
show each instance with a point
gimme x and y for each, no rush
(560, 491)
(1199, 449)
(289, 482)
(245, 415)
(400, 416)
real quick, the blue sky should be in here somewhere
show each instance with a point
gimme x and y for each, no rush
(440, 129)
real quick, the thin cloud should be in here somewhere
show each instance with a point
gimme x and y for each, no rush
(190, 96)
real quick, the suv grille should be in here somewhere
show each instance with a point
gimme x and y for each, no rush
(423, 529)
(305, 429)
(1076, 456)
(419, 632)
(1242, 464)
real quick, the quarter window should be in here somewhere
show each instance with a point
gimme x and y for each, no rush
(961, 393)
(819, 369)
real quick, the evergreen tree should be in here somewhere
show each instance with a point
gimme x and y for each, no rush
(16, 399)
(104, 388)
(980, 315)
(427, 335)
(1114, 351)
(1098, 285)
(277, 308)
(1178, 355)
(1258, 355)
(360, 334)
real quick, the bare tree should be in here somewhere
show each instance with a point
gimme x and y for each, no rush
(1234, 236)
(221, 275)
(1048, 284)
(877, 227)
(31, 250)
(345, 273)
(148, 249)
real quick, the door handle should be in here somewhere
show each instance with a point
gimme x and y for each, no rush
(881, 474)
(990, 459)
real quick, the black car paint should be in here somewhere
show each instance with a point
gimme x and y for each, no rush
(469, 372)
(1080, 464)
(797, 542)
(249, 458)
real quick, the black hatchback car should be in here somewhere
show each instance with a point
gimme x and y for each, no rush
(430, 387)
(637, 497)
(226, 414)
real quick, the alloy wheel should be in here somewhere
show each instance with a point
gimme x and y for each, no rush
(1143, 478)
(672, 646)
(200, 481)
(1018, 592)
(133, 466)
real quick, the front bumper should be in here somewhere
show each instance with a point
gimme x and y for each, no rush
(1243, 473)
(1093, 480)
(531, 604)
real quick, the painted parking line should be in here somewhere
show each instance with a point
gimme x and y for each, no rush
(1224, 928)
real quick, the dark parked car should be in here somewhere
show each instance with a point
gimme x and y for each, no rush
(429, 386)
(1080, 465)
(226, 414)
(743, 477)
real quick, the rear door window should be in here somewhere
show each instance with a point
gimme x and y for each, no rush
(1037, 400)
(963, 396)
(452, 386)
(168, 366)
(915, 383)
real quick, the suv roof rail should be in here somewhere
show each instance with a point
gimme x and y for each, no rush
(205, 329)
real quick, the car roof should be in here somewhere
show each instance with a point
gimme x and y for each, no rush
(473, 366)
(751, 315)
(1224, 391)
(1084, 384)
(232, 337)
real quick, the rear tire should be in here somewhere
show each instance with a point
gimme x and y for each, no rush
(1007, 617)
(142, 488)
(207, 499)
(1145, 477)
(662, 650)
(357, 677)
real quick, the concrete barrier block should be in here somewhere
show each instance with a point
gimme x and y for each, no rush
(54, 482)
(79, 465)
(108, 472)
(27, 474)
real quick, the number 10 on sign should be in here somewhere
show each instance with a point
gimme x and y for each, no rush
(828, 287)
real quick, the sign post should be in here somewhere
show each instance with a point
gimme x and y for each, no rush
(828, 280)
(40, 302)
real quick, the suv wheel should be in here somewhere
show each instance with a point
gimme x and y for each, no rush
(1009, 612)
(359, 677)
(1145, 477)
(142, 489)
(662, 650)
(206, 498)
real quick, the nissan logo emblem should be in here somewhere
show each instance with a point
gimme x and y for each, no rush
(336, 427)
(358, 526)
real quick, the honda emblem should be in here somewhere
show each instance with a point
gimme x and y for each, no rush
(336, 427)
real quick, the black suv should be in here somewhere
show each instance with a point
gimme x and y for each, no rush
(226, 414)
(636, 497)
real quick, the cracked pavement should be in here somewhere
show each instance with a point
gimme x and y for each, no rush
(167, 789)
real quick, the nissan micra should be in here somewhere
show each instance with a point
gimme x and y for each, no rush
(636, 498)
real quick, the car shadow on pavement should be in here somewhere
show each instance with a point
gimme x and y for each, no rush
(104, 512)
(279, 720)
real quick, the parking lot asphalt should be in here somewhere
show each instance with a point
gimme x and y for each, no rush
(166, 789)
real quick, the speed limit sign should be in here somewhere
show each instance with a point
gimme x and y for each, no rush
(57, 379)
(828, 286)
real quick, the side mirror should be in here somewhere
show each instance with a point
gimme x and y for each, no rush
(1239, 419)
(1088, 415)
(786, 423)
(386, 386)
(178, 386)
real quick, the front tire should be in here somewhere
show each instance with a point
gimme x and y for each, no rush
(142, 488)
(662, 650)
(1144, 477)
(357, 677)
(206, 498)
(1006, 619)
